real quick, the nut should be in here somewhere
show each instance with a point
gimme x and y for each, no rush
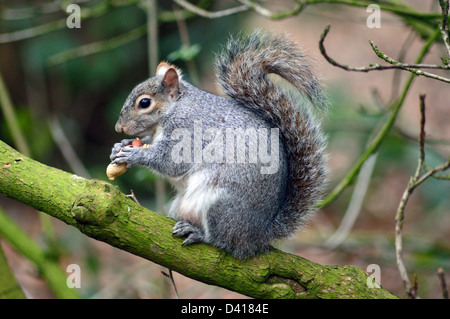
(114, 170)
(137, 142)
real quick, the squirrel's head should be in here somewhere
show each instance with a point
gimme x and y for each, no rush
(145, 106)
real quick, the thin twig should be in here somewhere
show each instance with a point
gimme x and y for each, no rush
(66, 148)
(186, 43)
(355, 204)
(413, 183)
(9, 113)
(274, 15)
(339, 65)
(441, 276)
(133, 197)
(436, 176)
(414, 289)
(399, 218)
(413, 68)
(152, 36)
(170, 276)
(433, 171)
(421, 137)
(208, 14)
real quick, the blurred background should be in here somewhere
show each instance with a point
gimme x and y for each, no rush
(67, 86)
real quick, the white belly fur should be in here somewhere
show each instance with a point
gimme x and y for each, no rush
(194, 198)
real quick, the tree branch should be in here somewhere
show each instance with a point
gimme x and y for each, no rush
(101, 211)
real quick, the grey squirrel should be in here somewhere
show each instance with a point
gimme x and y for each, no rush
(228, 194)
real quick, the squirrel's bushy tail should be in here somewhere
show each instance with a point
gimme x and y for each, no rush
(243, 68)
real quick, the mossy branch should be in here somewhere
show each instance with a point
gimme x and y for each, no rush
(101, 211)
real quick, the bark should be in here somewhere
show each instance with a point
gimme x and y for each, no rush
(99, 210)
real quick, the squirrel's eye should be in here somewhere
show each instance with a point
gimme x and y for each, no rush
(144, 103)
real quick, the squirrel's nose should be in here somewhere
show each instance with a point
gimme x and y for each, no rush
(119, 128)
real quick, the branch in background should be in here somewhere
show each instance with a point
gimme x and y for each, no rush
(66, 148)
(413, 68)
(152, 36)
(246, 5)
(414, 182)
(274, 15)
(97, 47)
(441, 276)
(32, 32)
(49, 269)
(11, 119)
(9, 287)
(86, 12)
(186, 44)
(354, 207)
(208, 14)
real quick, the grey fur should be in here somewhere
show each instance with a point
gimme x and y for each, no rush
(233, 205)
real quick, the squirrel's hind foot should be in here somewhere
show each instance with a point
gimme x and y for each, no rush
(194, 233)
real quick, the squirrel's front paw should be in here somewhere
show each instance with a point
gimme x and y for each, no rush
(128, 155)
(118, 148)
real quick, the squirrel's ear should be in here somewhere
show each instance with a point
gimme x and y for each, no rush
(170, 83)
(163, 66)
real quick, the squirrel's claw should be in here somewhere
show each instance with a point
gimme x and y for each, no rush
(185, 228)
(127, 154)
